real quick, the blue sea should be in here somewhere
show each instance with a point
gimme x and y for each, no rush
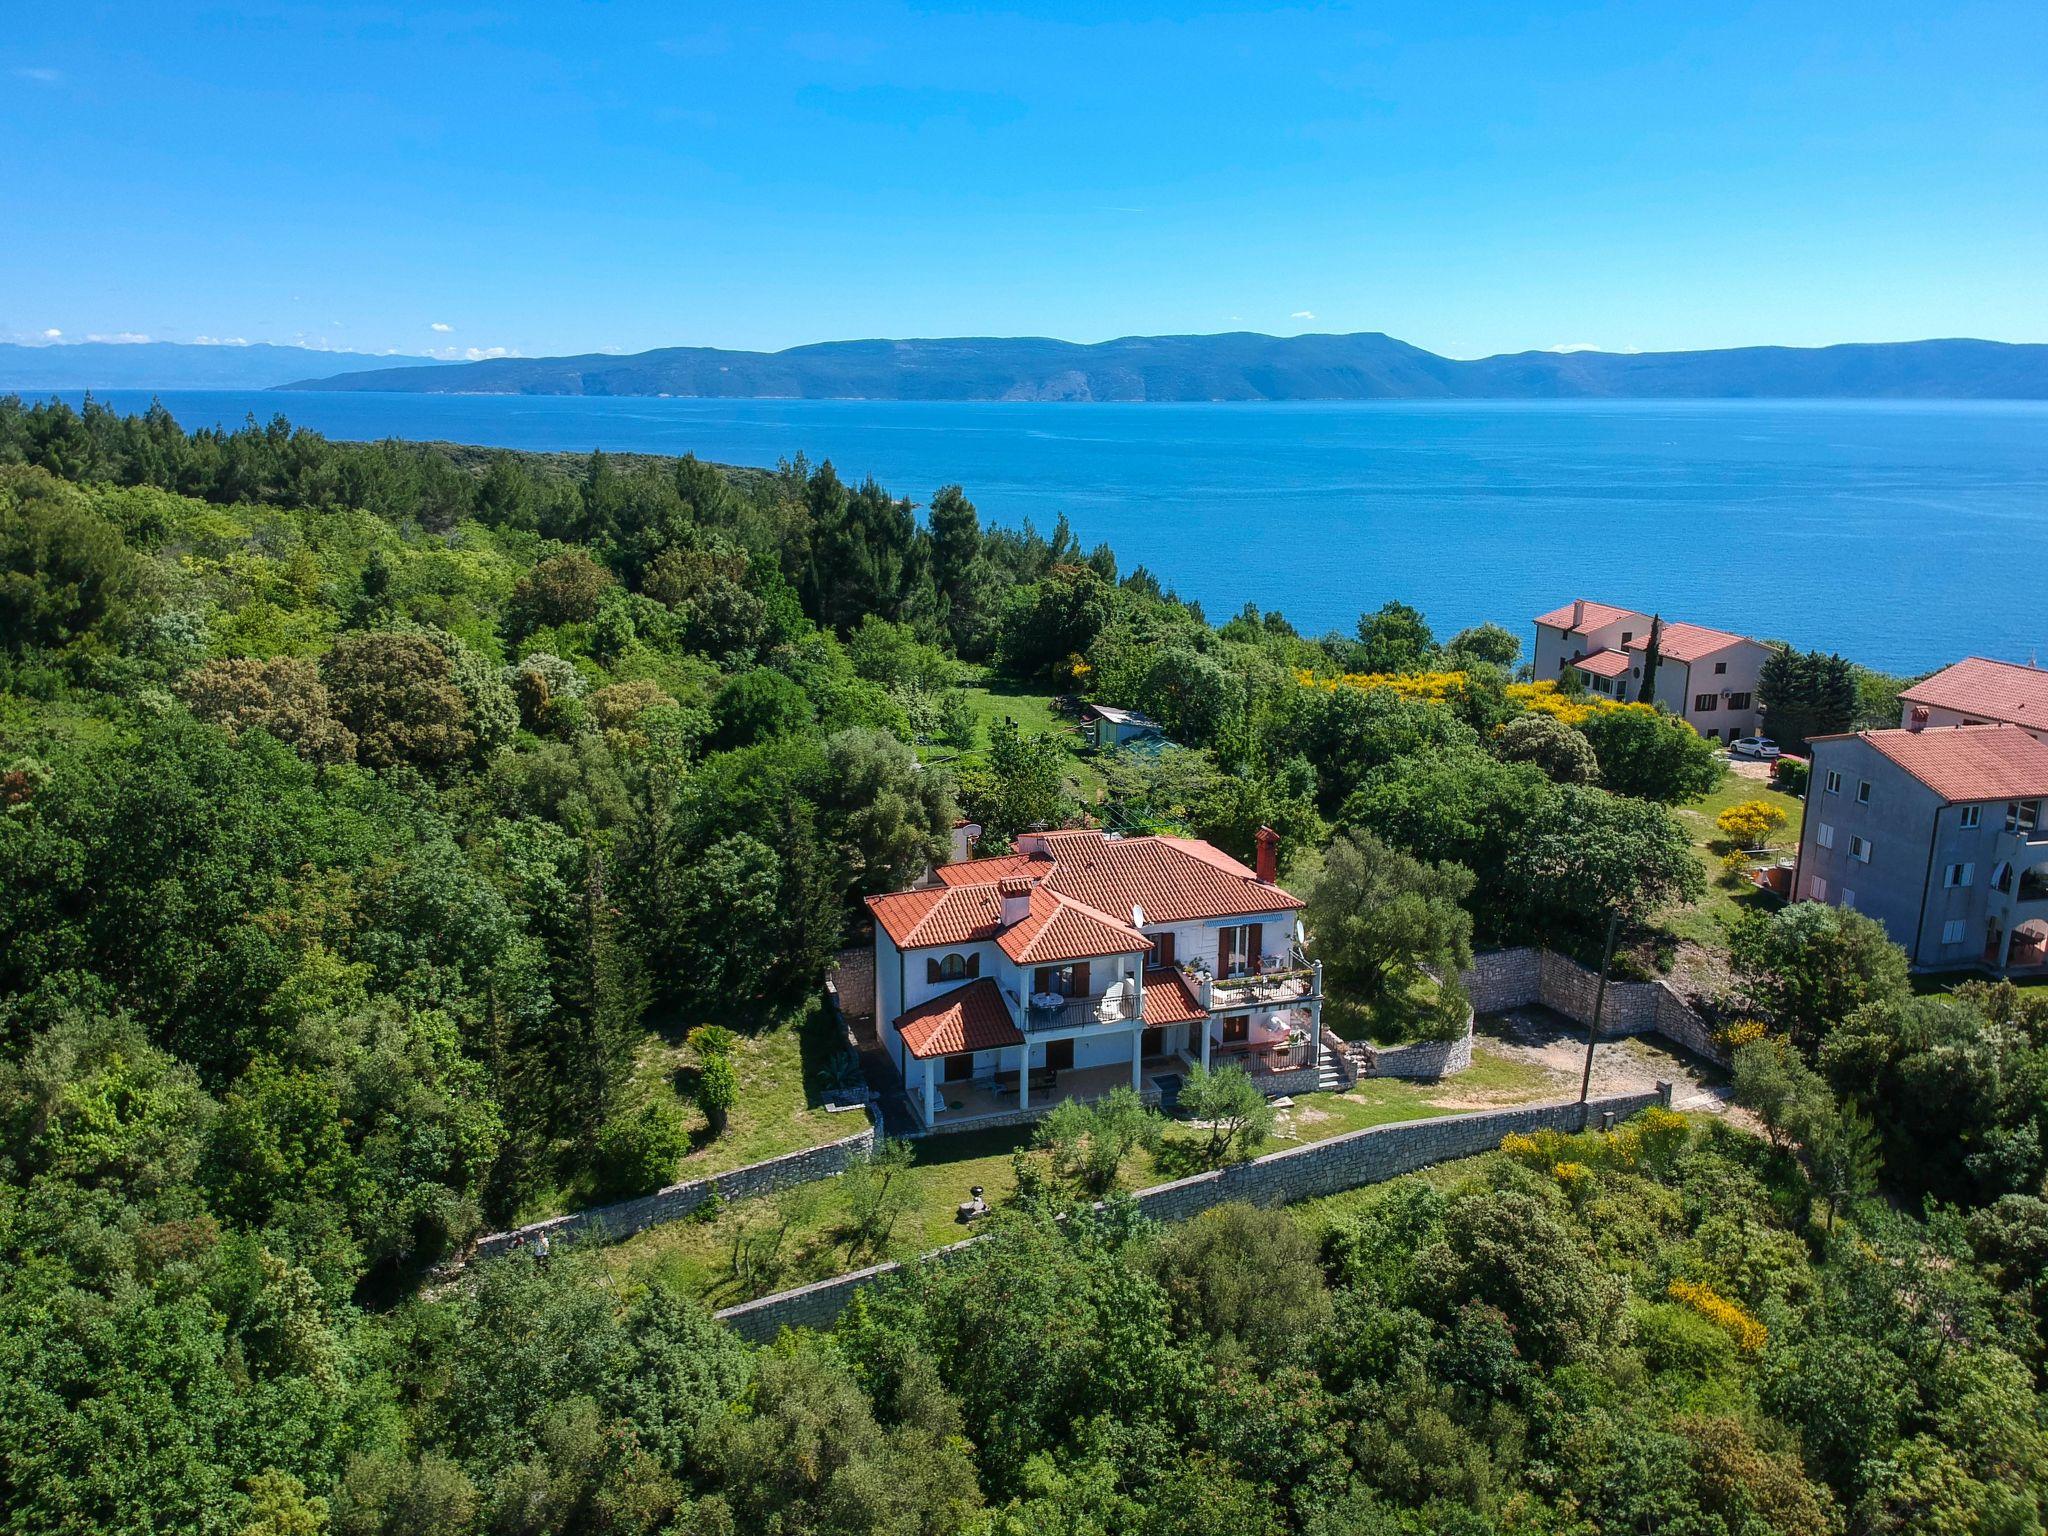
(1903, 534)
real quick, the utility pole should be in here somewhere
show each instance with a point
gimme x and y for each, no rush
(1599, 1002)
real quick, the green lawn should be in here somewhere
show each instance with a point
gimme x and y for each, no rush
(780, 1108)
(993, 698)
(1707, 921)
(697, 1256)
(1393, 1020)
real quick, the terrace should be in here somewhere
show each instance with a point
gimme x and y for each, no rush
(993, 1100)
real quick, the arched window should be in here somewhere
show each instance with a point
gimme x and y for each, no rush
(953, 968)
(2001, 877)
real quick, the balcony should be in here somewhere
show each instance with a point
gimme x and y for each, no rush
(1044, 1011)
(1292, 978)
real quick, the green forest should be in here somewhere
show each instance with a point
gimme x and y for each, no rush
(401, 841)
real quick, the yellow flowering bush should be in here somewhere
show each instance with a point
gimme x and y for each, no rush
(1751, 823)
(1733, 1037)
(1749, 1334)
(1544, 698)
(1542, 1151)
(1576, 1180)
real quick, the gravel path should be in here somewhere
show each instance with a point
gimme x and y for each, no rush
(1550, 1040)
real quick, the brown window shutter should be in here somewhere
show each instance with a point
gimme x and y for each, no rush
(1253, 949)
(931, 968)
(1081, 979)
(974, 964)
(1223, 952)
(1162, 949)
(1041, 979)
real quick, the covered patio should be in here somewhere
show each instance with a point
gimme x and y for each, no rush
(983, 1100)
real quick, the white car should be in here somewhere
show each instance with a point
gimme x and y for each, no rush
(1754, 746)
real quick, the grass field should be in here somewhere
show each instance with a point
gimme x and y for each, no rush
(697, 1256)
(1707, 921)
(782, 1072)
(992, 698)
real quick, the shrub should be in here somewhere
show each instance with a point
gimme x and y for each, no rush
(718, 1088)
(1790, 774)
(638, 1152)
(1751, 823)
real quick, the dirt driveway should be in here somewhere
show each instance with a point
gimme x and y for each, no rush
(1552, 1041)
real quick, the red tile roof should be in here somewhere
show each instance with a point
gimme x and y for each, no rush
(1966, 762)
(1678, 641)
(1995, 690)
(1174, 879)
(1596, 615)
(1169, 999)
(1603, 663)
(981, 871)
(1054, 929)
(969, 1018)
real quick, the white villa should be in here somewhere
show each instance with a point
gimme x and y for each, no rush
(1706, 677)
(1084, 960)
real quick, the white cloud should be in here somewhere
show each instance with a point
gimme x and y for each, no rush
(53, 334)
(1302, 314)
(470, 354)
(438, 326)
(220, 341)
(120, 338)
(41, 76)
(1576, 346)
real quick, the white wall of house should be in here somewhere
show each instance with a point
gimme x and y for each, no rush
(1698, 692)
(1938, 716)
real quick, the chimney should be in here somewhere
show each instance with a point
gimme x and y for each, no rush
(1917, 721)
(1269, 855)
(1016, 894)
(1578, 612)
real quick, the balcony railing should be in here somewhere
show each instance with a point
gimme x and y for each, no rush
(1293, 978)
(1117, 1005)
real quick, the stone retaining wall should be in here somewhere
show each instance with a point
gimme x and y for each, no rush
(1370, 1156)
(1424, 1058)
(610, 1223)
(1503, 979)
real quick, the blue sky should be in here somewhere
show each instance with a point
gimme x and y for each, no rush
(1470, 177)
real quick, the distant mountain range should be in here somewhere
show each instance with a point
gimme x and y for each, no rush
(1238, 366)
(175, 365)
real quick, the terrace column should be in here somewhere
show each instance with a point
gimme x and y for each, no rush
(1205, 1042)
(1024, 1075)
(1138, 1057)
(931, 1093)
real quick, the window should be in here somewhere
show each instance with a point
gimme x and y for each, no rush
(1237, 950)
(1824, 835)
(1705, 703)
(2022, 816)
(1834, 782)
(1066, 980)
(1162, 949)
(1973, 815)
(1720, 667)
(1627, 635)
(1738, 701)
(1714, 733)
(959, 1068)
(1952, 932)
(1818, 888)
(1956, 876)
(1859, 849)
(1848, 897)
(952, 968)
(1863, 791)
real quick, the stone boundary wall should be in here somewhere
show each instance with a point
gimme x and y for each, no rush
(1424, 1058)
(1369, 1156)
(610, 1223)
(1503, 979)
